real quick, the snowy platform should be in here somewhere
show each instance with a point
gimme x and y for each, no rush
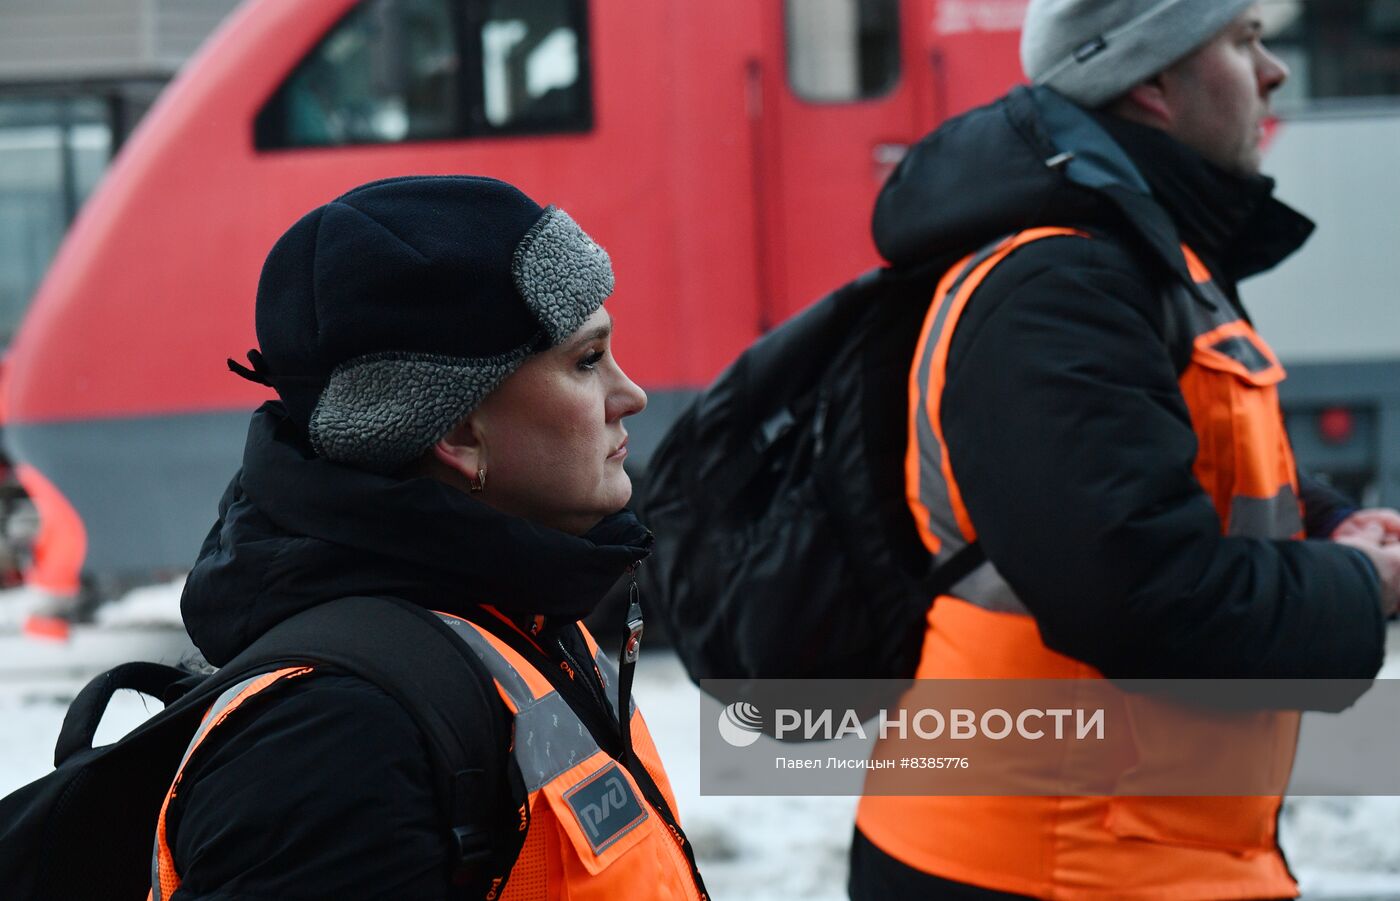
(754, 848)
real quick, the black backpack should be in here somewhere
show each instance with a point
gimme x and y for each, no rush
(784, 545)
(87, 829)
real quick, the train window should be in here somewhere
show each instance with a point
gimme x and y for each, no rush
(840, 51)
(53, 151)
(411, 70)
(386, 73)
(1336, 49)
(532, 66)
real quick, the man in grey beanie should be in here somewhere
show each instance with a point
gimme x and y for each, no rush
(1091, 406)
(1164, 63)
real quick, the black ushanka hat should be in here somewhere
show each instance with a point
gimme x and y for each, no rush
(385, 316)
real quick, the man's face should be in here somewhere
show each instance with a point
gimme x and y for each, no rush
(1218, 96)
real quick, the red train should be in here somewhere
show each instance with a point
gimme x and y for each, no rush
(726, 153)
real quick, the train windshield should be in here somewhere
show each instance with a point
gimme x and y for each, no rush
(414, 70)
(52, 153)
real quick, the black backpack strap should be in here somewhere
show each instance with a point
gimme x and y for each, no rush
(85, 713)
(958, 567)
(413, 656)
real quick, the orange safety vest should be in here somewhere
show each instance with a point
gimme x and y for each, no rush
(1095, 848)
(592, 833)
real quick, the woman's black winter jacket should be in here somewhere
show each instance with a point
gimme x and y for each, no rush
(326, 791)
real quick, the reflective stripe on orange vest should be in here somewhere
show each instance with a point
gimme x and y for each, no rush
(1093, 849)
(164, 878)
(592, 833)
(934, 498)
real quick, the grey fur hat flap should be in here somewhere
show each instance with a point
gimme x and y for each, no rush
(1095, 50)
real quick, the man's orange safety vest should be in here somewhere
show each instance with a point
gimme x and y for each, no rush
(592, 833)
(1095, 848)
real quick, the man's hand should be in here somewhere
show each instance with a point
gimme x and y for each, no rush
(1380, 523)
(1376, 533)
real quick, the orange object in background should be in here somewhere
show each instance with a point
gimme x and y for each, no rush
(61, 543)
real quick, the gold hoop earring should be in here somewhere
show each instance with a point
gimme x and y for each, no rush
(478, 484)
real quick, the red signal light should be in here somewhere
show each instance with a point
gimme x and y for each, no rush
(1336, 425)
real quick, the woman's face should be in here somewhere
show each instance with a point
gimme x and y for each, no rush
(551, 437)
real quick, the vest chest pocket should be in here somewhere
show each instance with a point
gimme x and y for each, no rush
(1230, 388)
(602, 816)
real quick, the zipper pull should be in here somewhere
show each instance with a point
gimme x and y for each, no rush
(632, 643)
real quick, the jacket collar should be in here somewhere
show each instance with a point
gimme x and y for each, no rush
(1231, 220)
(1166, 191)
(295, 529)
(1035, 158)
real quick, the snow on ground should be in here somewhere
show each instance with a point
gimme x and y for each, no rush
(751, 848)
(15, 605)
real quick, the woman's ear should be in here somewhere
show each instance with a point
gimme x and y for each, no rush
(463, 448)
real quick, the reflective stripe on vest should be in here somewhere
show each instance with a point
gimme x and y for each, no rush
(933, 494)
(164, 879)
(1088, 848)
(580, 797)
(549, 737)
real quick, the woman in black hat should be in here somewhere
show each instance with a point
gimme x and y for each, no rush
(450, 433)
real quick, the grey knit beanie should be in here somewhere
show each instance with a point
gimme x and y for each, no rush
(1095, 50)
(387, 315)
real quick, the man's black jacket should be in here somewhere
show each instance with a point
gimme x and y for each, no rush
(1066, 430)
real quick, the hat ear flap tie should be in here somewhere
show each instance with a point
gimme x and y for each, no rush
(259, 374)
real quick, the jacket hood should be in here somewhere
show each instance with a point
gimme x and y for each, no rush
(295, 529)
(1035, 158)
